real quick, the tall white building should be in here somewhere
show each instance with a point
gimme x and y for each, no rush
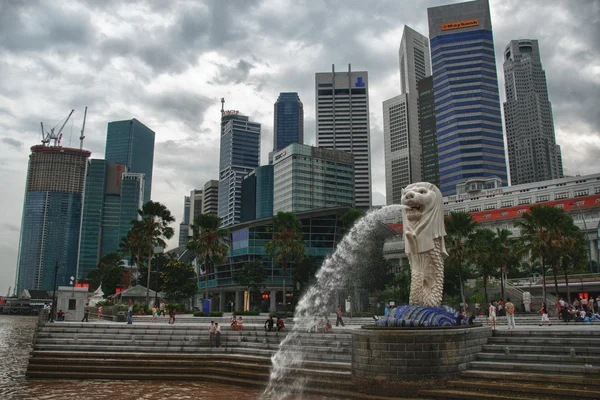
(533, 154)
(403, 155)
(395, 135)
(342, 108)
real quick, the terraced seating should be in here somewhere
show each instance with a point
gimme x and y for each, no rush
(182, 351)
(537, 363)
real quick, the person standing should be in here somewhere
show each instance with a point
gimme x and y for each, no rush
(100, 309)
(510, 314)
(492, 312)
(544, 313)
(154, 313)
(386, 310)
(217, 334)
(86, 313)
(339, 319)
(211, 331)
(171, 316)
(500, 308)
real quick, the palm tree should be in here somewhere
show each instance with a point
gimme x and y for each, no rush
(134, 243)
(287, 244)
(459, 225)
(574, 251)
(540, 229)
(154, 226)
(208, 241)
(483, 250)
(504, 244)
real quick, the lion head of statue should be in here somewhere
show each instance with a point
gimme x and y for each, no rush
(422, 217)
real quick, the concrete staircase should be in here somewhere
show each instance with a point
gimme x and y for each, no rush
(538, 363)
(142, 351)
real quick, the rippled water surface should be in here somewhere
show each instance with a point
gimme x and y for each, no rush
(16, 334)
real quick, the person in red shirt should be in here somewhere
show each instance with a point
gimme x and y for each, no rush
(339, 319)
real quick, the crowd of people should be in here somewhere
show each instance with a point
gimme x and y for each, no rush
(581, 309)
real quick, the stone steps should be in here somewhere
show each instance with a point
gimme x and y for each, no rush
(532, 364)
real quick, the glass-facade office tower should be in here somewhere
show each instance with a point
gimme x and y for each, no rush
(240, 154)
(428, 138)
(308, 178)
(51, 217)
(257, 194)
(288, 127)
(533, 154)
(131, 143)
(465, 86)
(342, 106)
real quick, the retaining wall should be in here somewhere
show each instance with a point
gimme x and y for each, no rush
(381, 354)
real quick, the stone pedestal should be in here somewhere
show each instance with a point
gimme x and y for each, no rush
(391, 357)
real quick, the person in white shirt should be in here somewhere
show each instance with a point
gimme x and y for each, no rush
(218, 334)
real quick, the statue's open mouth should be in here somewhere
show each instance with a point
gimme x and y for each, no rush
(412, 207)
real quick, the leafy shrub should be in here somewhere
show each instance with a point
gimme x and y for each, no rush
(177, 306)
(210, 314)
(249, 312)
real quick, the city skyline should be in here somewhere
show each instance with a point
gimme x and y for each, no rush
(177, 92)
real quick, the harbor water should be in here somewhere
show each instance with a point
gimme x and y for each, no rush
(16, 334)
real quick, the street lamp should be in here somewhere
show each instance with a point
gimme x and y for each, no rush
(54, 293)
(587, 239)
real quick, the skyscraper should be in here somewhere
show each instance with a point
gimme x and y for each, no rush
(115, 189)
(210, 198)
(51, 217)
(308, 178)
(257, 194)
(196, 200)
(415, 64)
(428, 138)
(184, 225)
(342, 123)
(467, 104)
(131, 143)
(289, 121)
(533, 154)
(240, 154)
(396, 145)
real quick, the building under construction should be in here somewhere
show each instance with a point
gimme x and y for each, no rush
(51, 214)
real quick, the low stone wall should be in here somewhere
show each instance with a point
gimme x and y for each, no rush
(390, 356)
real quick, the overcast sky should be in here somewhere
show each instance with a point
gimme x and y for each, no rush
(168, 63)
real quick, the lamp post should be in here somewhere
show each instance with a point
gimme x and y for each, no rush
(587, 239)
(54, 294)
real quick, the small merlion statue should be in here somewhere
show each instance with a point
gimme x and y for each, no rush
(527, 301)
(423, 231)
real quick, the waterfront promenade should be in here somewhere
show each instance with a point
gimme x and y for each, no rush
(559, 360)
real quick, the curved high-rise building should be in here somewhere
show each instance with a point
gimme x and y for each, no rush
(51, 217)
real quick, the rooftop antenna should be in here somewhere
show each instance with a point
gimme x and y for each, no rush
(222, 105)
(82, 130)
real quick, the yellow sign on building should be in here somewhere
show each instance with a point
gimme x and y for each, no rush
(460, 24)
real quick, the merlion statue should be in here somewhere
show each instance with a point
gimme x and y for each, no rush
(423, 226)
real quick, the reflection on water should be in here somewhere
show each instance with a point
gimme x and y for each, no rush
(16, 335)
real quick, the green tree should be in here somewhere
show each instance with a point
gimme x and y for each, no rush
(540, 230)
(134, 244)
(459, 225)
(574, 251)
(483, 251)
(304, 274)
(287, 244)
(154, 227)
(504, 244)
(251, 275)
(179, 280)
(109, 273)
(209, 241)
(349, 218)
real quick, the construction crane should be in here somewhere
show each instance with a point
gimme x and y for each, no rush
(82, 136)
(56, 137)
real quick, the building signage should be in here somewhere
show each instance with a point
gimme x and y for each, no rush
(460, 24)
(278, 156)
(230, 112)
